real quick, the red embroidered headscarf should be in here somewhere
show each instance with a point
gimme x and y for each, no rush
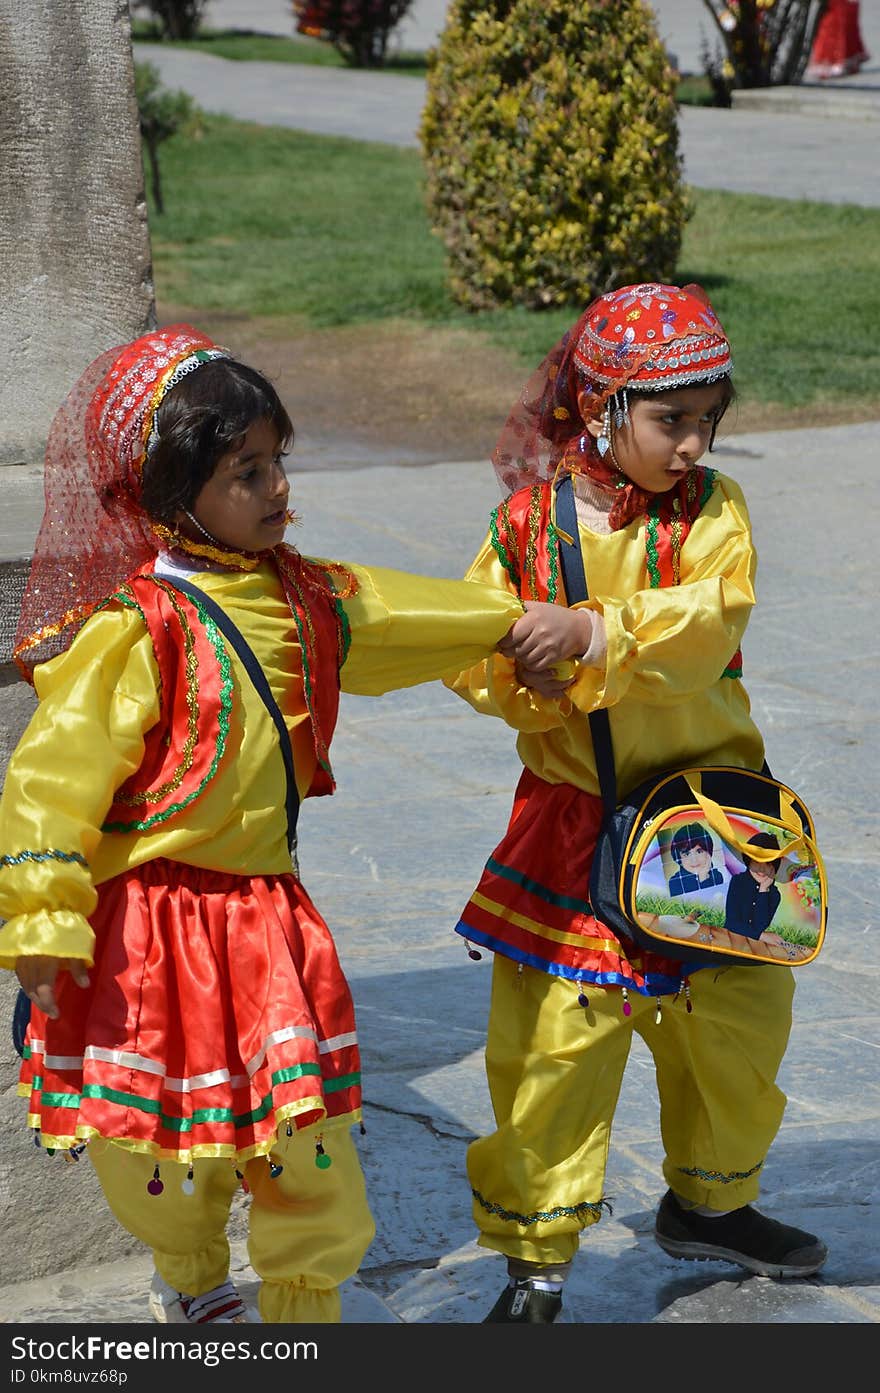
(94, 533)
(651, 337)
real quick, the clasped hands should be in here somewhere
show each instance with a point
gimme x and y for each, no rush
(543, 637)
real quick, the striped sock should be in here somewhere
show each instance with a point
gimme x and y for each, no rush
(221, 1305)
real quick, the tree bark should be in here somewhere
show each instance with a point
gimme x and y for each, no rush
(75, 266)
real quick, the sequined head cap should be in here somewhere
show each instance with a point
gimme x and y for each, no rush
(121, 417)
(650, 337)
(654, 337)
(94, 532)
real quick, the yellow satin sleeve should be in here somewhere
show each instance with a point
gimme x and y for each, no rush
(98, 700)
(490, 685)
(407, 629)
(83, 740)
(662, 681)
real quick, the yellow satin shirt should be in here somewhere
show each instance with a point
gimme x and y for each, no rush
(668, 704)
(97, 700)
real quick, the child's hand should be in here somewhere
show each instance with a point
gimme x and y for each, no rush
(547, 634)
(37, 976)
(546, 684)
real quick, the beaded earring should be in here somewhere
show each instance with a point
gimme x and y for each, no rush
(603, 440)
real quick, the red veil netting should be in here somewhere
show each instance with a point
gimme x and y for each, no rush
(94, 533)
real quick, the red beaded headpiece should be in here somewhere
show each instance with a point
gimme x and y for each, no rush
(94, 532)
(652, 337)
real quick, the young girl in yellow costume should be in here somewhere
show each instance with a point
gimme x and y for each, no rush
(626, 404)
(190, 1019)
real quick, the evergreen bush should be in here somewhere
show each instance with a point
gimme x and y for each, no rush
(550, 136)
(358, 29)
(162, 114)
(175, 19)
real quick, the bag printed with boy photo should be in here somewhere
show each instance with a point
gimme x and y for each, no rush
(713, 864)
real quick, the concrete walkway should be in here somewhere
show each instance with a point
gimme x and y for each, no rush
(424, 791)
(684, 26)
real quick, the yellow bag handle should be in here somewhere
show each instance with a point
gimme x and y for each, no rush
(720, 823)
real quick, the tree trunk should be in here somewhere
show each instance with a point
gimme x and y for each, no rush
(75, 266)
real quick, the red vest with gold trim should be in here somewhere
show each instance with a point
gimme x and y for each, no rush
(183, 750)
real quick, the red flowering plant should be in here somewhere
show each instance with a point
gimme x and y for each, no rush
(358, 29)
(763, 43)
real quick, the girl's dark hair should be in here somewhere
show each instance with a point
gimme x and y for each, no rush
(204, 416)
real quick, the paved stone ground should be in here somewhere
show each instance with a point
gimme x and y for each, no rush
(424, 789)
(684, 26)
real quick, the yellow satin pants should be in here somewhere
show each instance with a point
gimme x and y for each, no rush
(308, 1228)
(555, 1070)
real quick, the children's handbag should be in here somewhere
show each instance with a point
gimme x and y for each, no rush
(707, 864)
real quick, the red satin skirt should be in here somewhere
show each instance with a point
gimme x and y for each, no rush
(532, 900)
(217, 1013)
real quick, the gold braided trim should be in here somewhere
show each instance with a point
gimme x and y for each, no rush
(239, 560)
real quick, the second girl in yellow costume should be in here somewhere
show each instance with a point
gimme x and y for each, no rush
(626, 404)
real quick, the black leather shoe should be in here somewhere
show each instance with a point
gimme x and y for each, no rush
(762, 1245)
(524, 1304)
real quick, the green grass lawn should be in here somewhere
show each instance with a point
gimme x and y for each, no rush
(271, 221)
(242, 46)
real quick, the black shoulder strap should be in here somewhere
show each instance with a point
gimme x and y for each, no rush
(258, 677)
(575, 581)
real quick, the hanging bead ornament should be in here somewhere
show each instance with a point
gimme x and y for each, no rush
(583, 999)
(204, 531)
(322, 1160)
(187, 1185)
(363, 1130)
(155, 1186)
(472, 952)
(289, 1128)
(244, 1184)
(274, 1168)
(658, 1014)
(603, 440)
(687, 997)
(627, 1009)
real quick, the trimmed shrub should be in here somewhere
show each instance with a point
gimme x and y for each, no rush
(358, 29)
(175, 19)
(162, 114)
(550, 136)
